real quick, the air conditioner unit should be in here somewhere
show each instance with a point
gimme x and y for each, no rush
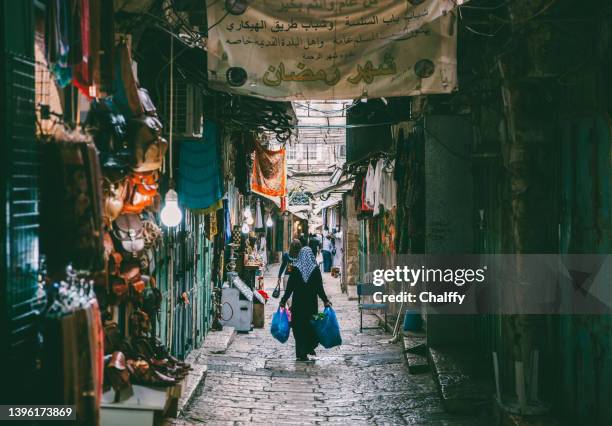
(187, 109)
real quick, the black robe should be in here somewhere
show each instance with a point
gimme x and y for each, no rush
(303, 306)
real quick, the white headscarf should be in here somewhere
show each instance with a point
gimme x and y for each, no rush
(306, 262)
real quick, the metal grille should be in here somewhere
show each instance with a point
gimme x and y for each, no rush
(23, 202)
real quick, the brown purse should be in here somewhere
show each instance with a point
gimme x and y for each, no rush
(130, 272)
(114, 196)
(130, 233)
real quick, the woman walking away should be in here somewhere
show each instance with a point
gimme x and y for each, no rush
(305, 284)
(287, 262)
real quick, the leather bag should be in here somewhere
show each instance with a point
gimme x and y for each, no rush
(129, 232)
(114, 196)
(141, 192)
(144, 132)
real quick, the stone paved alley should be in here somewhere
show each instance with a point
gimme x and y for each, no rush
(364, 381)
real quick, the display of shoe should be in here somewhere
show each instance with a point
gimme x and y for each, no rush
(141, 373)
(116, 371)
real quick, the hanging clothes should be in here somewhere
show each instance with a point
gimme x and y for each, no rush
(227, 226)
(370, 186)
(365, 206)
(269, 172)
(199, 177)
(80, 54)
(388, 187)
(374, 184)
(58, 41)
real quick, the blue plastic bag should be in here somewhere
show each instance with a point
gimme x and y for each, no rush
(280, 325)
(327, 329)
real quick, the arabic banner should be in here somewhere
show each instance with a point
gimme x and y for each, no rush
(332, 49)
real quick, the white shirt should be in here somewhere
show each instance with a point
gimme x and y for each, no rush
(327, 244)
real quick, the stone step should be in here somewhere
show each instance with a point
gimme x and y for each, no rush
(461, 377)
(415, 352)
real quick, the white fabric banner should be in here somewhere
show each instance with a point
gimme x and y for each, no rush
(332, 49)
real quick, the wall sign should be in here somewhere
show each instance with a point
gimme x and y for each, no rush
(332, 49)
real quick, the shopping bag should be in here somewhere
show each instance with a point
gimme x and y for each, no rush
(280, 325)
(327, 328)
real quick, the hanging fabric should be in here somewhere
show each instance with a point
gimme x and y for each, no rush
(387, 193)
(365, 207)
(81, 77)
(58, 41)
(269, 172)
(369, 186)
(199, 178)
(227, 226)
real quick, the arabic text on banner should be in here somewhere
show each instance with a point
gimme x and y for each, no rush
(328, 49)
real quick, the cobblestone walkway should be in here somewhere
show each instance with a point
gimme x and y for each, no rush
(364, 381)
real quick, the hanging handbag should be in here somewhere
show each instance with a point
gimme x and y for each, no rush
(276, 292)
(144, 133)
(141, 192)
(114, 195)
(130, 272)
(129, 232)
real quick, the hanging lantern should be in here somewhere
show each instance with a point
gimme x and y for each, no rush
(269, 221)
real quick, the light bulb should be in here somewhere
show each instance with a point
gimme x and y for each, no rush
(269, 222)
(171, 214)
(249, 220)
(245, 228)
(247, 212)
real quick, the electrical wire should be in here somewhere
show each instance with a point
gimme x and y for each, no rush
(469, 6)
(525, 20)
(218, 22)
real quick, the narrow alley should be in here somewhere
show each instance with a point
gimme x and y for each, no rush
(200, 200)
(363, 382)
